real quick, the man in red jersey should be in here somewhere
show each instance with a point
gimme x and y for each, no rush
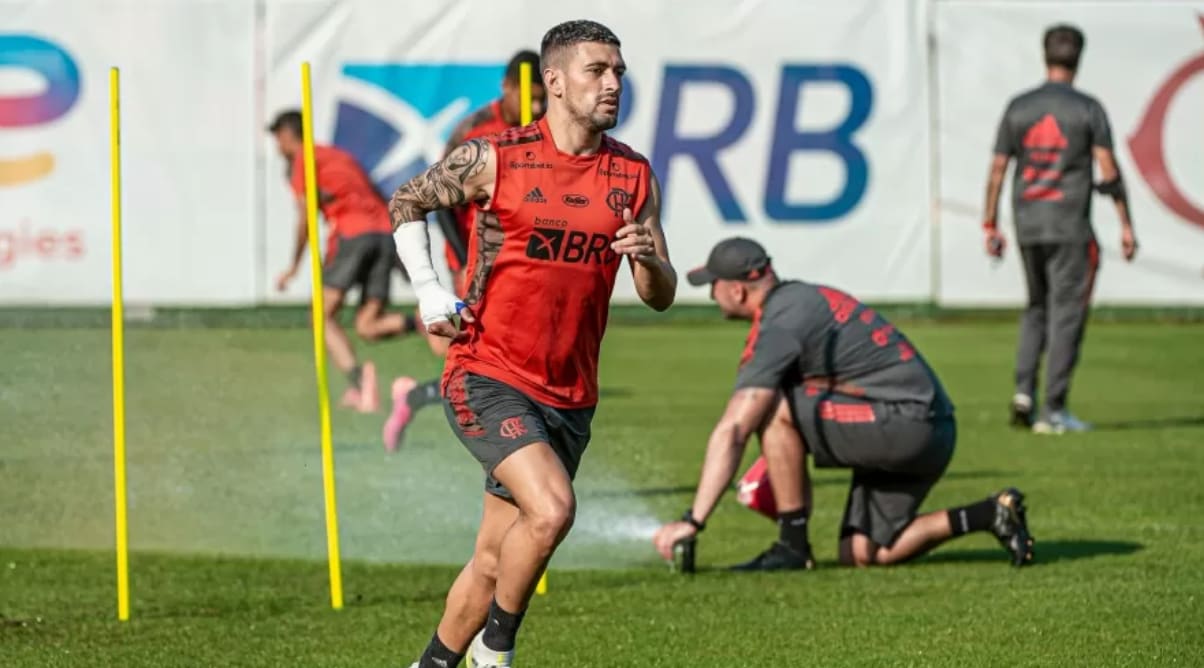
(409, 396)
(359, 251)
(561, 203)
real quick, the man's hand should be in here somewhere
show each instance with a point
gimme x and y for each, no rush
(670, 535)
(437, 306)
(1128, 243)
(635, 240)
(994, 241)
(285, 278)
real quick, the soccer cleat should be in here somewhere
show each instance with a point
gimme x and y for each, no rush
(1011, 526)
(480, 656)
(400, 416)
(1022, 411)
(779, 557)
(369, 393)
(1060, 422)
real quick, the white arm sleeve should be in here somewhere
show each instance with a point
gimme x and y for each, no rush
(414, 248)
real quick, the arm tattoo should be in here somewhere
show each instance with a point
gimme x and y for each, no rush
(441, 186)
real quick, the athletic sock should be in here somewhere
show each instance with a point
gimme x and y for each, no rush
(424, 395)
(792, 530)
(501, 628)
(437, 655)
(974, 517)
(355, 376)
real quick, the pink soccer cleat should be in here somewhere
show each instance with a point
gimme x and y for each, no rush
(401, 414)
(369, 393)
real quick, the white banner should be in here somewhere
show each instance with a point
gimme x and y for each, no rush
(1144, 61)
(801, 124)
(187, 141)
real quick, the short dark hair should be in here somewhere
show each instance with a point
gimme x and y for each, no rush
(571, 33)
(289, 118)
(1063, 46)
(513, 68)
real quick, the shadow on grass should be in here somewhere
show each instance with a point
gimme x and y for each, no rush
(837, 481)
(1152, 424)
(1047, 552)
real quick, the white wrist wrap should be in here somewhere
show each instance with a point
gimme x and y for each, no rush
(414, 249)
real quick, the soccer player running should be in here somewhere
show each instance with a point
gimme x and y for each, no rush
(505, 112)
(359, 251)
(1055, 133)
(560, 204)
(823, 374)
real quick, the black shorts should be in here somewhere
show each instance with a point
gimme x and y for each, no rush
(494, 420)
(365, 260)
(897, 451)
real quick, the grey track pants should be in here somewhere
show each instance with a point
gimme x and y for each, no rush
(1060, 278)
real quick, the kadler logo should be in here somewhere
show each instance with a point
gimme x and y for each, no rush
(1149, 150)
(26, 109)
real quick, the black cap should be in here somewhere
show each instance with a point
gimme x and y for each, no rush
(734, 259)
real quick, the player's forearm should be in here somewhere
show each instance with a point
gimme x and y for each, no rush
(299, 243)
(990, 209)
(724, 450)
(656, 284)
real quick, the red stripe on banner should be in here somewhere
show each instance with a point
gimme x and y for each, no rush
(846, 413)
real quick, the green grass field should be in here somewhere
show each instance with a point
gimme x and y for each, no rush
(226, 515)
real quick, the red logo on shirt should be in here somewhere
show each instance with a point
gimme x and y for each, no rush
(1044, 142)
(1148, 149)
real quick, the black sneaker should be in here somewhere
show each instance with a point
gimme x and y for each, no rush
(1022, 411)
(779, 557)
(1011, 526)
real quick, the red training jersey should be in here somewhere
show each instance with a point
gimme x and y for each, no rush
(541, 271)
(485, 121)
(354, 207)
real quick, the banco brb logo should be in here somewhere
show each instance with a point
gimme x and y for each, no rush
(25, 106)
(1148, 147)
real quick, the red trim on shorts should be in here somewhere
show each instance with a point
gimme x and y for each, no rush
(457, 395)
(846, 413)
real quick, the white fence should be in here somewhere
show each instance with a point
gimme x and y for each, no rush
(851, 138)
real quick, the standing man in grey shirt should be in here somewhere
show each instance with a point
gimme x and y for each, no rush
(1056, 134)
(825, 375)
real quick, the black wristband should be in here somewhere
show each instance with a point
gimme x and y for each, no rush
(688, 516)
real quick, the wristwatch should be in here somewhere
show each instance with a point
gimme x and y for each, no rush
(688, 516)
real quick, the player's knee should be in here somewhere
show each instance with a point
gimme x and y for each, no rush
(857, 550)
(551, 522)
(779, 429)
(438, 345)
(365, 330)
(485, 565)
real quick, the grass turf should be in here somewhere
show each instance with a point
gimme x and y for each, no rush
(224, 461)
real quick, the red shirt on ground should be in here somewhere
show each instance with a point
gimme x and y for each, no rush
(541, 271)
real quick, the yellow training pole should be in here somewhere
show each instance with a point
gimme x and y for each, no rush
(118, 327)
(524, 97)
(524, 92)
(315, 273)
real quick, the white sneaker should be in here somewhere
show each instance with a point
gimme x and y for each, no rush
(1060, 422)
(480, 656)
